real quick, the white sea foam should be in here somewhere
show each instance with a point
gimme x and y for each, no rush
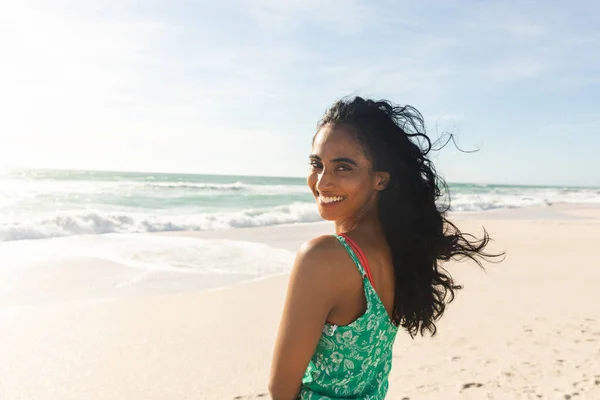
(498, 199)
(40, 225)
(187, 185)
(75, 269)
(69, 223)
(225, 187)
(153, 253)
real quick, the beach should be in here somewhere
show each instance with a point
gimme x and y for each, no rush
(526, 328)
(161, 164)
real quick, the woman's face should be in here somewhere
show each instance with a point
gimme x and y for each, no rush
(340, 175)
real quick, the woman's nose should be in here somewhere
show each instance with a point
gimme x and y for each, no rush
(324, 181)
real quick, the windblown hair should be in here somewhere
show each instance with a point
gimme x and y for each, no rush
(419, 234)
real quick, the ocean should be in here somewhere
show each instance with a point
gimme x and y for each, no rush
(41, 204)
(67, 215)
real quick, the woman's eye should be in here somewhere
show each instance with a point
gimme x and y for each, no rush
(342, 168)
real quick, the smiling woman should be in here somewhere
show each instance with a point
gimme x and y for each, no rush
(350, 292)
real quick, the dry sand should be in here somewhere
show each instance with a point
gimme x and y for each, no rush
(527, 328)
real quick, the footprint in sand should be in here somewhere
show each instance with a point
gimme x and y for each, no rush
(252, 396)
(470, 385)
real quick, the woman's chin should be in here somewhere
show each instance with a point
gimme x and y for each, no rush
(327, 215)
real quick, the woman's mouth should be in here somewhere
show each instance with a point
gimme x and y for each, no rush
(328, 201)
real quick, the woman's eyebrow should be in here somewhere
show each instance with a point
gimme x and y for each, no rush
(339, 159)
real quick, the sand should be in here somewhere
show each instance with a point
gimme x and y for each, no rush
(527, 328)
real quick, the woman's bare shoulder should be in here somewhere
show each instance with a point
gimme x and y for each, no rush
(323, 255)
(319, 244)
(323, 247)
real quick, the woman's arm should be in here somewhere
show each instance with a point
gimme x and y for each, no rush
(310, 297)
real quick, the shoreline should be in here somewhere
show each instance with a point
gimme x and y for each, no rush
(549, 211)
(65, 280)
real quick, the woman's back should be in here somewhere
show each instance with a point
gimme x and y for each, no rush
(353, 360)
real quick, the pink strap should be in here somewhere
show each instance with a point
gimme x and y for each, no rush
(361, 257)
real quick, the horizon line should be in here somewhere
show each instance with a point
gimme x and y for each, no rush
(16, 169)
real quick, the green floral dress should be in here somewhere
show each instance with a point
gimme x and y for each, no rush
(353, 361)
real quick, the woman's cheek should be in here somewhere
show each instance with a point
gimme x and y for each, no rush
(311, 179)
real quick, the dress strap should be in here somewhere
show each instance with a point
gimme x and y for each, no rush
(361, 256)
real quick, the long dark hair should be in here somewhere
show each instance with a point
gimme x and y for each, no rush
(420, 236)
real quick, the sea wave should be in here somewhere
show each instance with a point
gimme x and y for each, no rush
(508, 198)
(71, 223)
(237, 186)
(20, 220)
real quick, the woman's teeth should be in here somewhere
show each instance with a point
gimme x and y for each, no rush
(330, 199)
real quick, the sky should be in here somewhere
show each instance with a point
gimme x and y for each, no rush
(237, 87)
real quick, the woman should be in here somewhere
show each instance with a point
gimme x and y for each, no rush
(350, 292)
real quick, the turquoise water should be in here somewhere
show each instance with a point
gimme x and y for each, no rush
(37, 204)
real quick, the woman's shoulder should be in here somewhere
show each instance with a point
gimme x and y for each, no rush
(324, 255)
(322, 247)
(316, 269)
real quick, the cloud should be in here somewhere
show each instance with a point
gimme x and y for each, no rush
(449, 117)
(579, 127)
(516, 70)
(341, 16)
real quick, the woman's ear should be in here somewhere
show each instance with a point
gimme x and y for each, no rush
(383, 179)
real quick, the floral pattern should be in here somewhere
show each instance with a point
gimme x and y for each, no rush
(353, 361)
